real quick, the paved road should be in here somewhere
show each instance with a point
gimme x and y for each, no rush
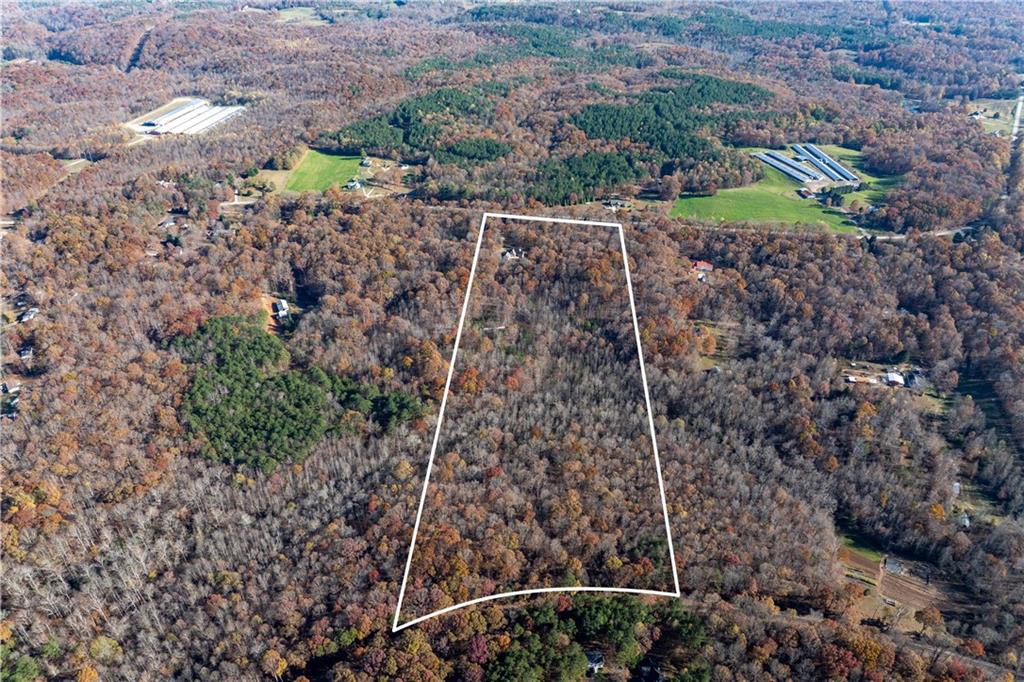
(1016, 120)
(887, 237)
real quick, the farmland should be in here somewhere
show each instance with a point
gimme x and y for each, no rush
(771, 200)
(319, 171)
(996, 114)
(307, 16)
(774, 199)
(879, 185)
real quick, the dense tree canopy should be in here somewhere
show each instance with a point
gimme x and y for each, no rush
(193, 492)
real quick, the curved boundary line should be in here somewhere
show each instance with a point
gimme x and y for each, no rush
(538, 590)
(395, 627)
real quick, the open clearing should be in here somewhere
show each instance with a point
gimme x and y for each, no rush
(726, 334)
(72, 166)
(319, 171)
(895, 597)
(774, 198)
(854, 159)
(306, 16)
(996, 114)
(771, 200)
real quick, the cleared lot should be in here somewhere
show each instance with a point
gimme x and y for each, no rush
(319, 171)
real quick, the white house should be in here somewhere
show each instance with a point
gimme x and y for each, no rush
(281, 309)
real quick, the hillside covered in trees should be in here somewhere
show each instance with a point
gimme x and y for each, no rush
(219, 396)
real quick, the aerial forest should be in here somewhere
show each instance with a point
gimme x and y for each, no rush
(220, 395)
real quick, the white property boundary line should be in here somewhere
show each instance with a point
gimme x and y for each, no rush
(440, 419)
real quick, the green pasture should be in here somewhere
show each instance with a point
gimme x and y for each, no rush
(774, 199)
(771, 200)
(319, 171)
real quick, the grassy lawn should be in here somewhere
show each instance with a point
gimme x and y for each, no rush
(859, 547)
(318, 171)
(75, 165)
(300, 15)
(989, 109)
(771, 200)
(853, 159)
(979, 504)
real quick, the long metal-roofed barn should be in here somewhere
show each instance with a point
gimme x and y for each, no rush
(805, 155)
(191, 118)
(177, 111)
(793, 169)
(824, 158)
(200, 120)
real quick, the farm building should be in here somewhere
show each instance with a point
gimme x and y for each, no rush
(181, 110)
(190, 118)
(893, 378)
(788, 166)
(819, 157)
(701, 268)
(614, 203)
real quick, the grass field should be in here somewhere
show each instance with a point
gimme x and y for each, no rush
(319, 171)
(774, 199)
(989, 108)
(72, 166)
(771, 200)
(860, 547)
(307, 16)
(853, 159)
